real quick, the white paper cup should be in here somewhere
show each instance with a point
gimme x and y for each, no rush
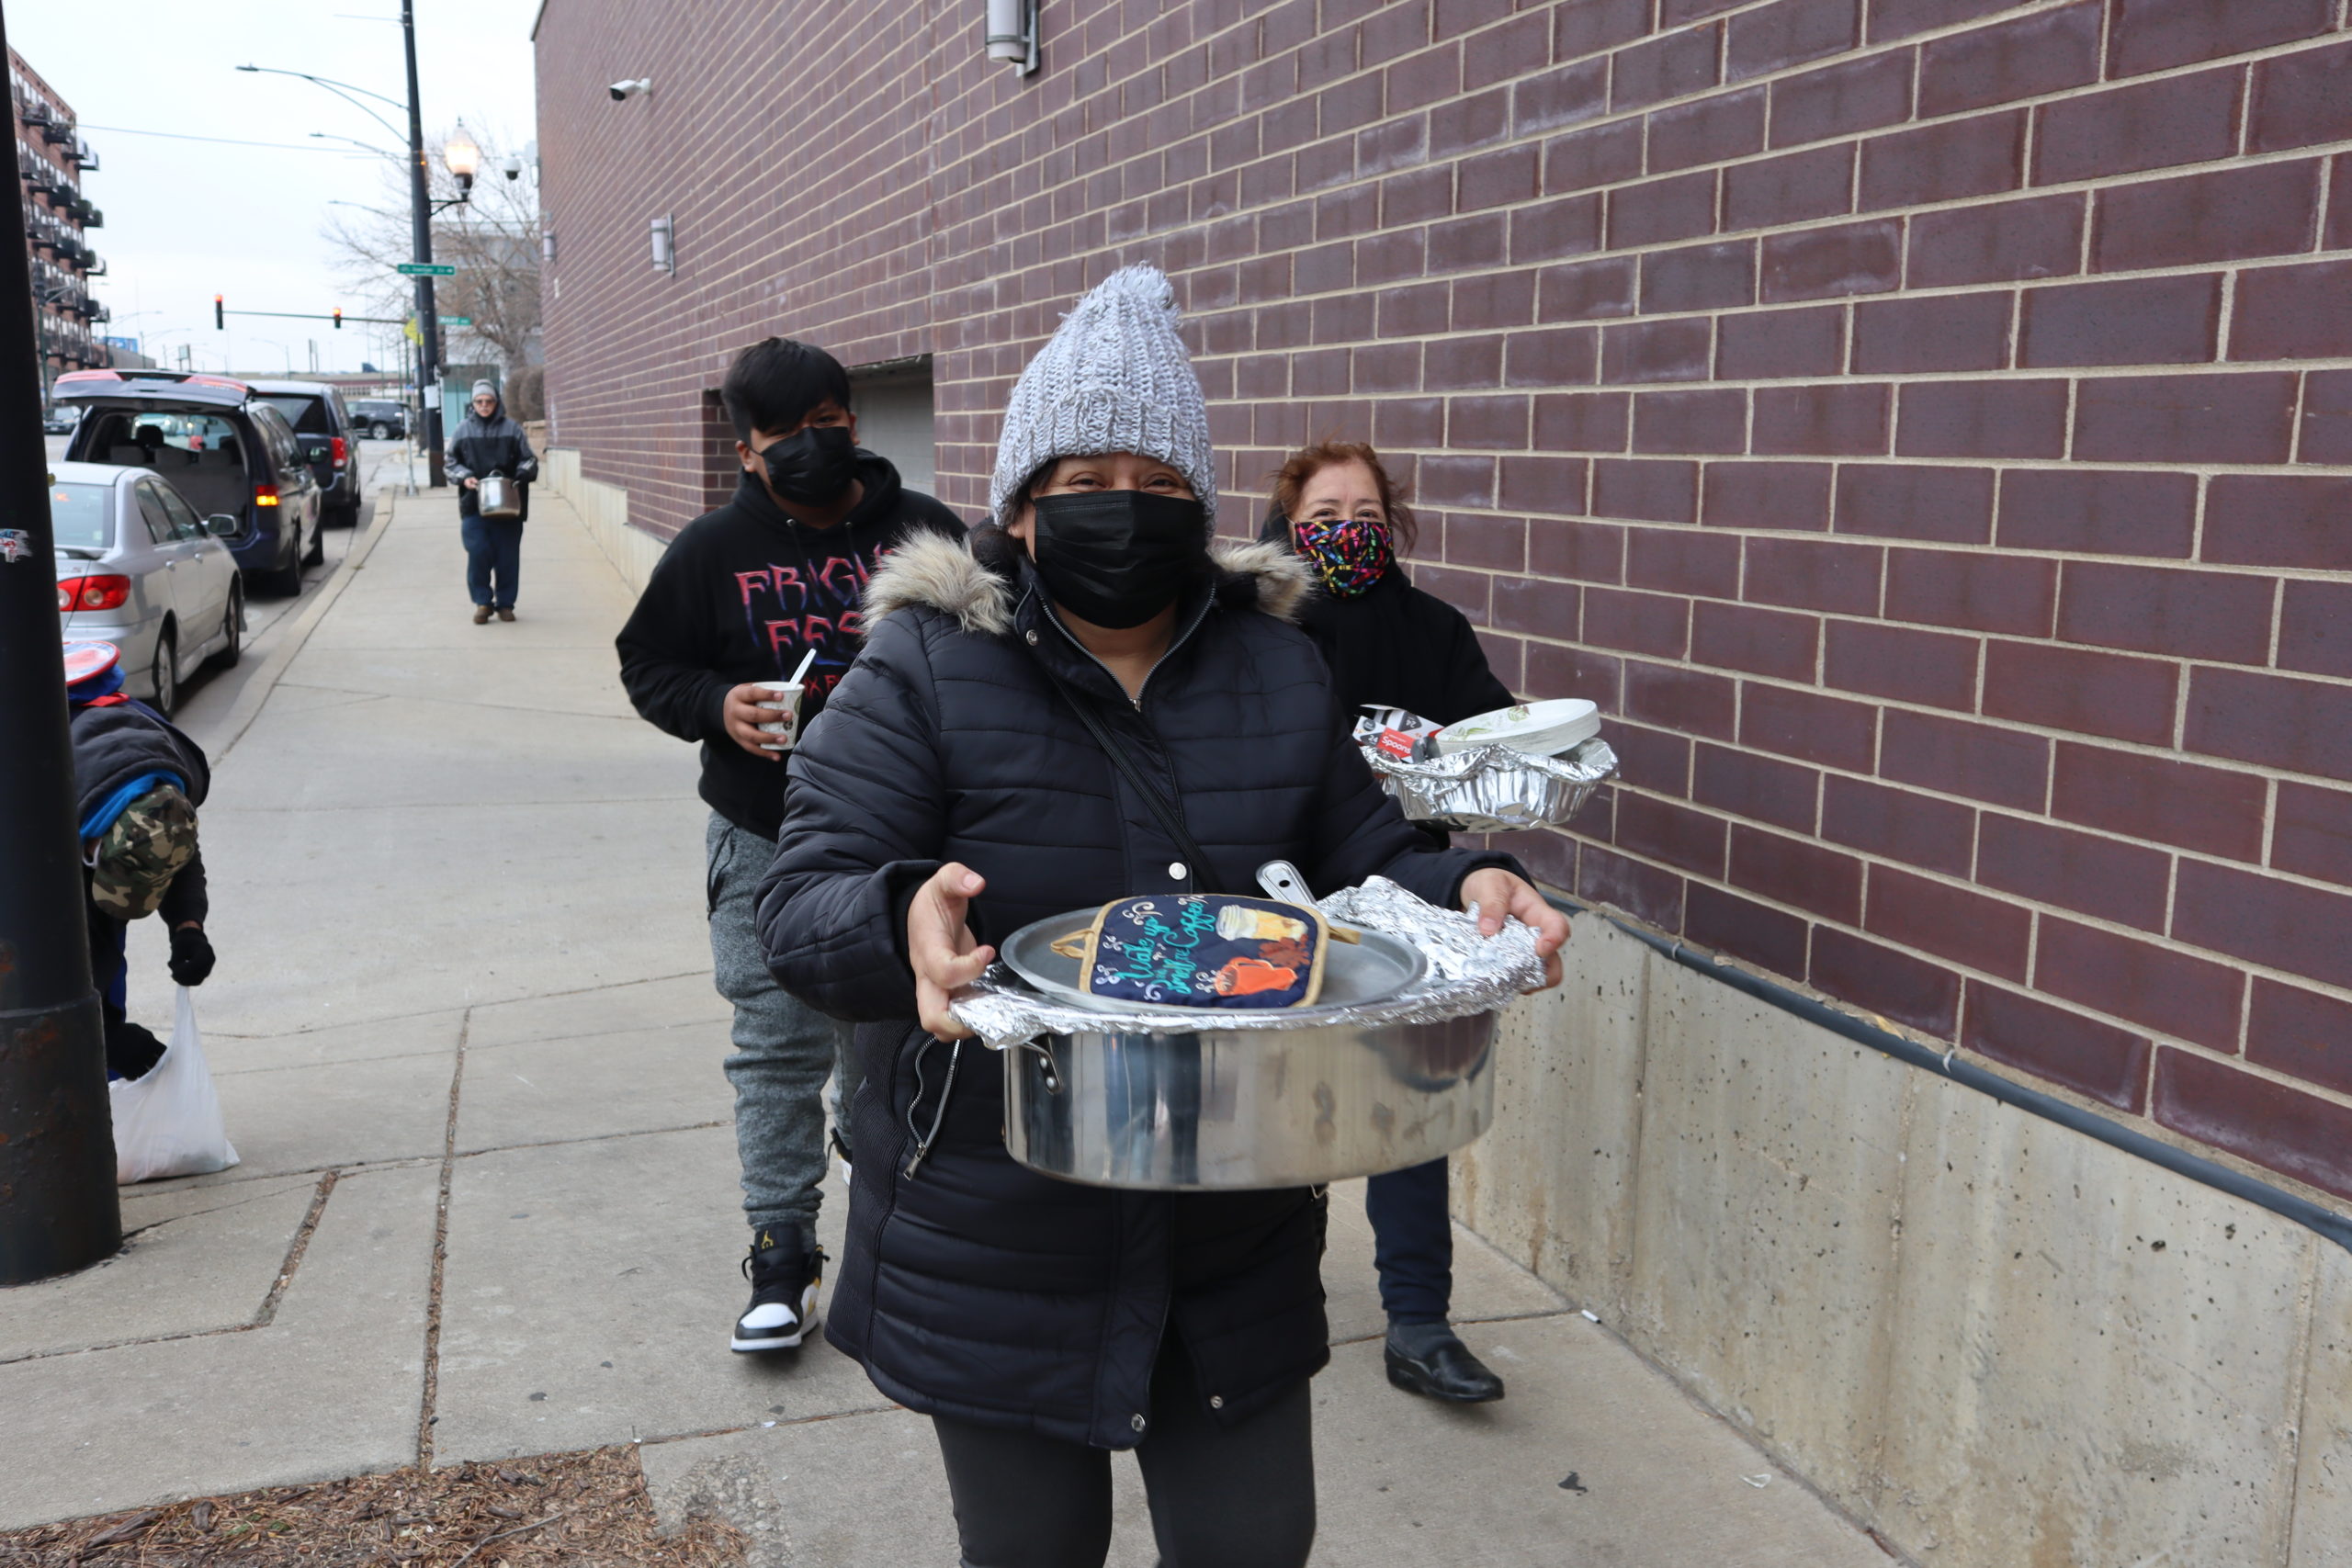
(783, 699)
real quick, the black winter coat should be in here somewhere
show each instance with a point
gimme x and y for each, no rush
(979, 1289)
(1398, 646)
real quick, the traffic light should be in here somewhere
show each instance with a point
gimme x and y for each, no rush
(338, 318)
(220, 316)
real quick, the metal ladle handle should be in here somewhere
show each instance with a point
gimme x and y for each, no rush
(1285, 883)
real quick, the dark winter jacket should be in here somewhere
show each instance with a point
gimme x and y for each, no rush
(976, 1288)
(480, 447)
(116, 742)
(1399, 647)
(741, 593)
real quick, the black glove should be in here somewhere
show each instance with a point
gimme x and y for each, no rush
(191, 956)
(132, 1050)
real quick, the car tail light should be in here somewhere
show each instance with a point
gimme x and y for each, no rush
(107, 592)
(341, 450)
(265, 495)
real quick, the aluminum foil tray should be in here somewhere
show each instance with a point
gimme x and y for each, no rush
(1495, 789)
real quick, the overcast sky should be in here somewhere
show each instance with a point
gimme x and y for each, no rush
(186, 219)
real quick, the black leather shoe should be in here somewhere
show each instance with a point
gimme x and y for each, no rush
(1429, 1359)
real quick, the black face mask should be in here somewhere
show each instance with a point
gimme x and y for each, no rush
(813, 467)
(1119, 557)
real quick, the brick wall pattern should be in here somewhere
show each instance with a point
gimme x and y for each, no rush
(1925, 426)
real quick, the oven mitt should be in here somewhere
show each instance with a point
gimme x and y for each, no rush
(1205, 950)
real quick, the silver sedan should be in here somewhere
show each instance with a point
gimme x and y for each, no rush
(136, 567)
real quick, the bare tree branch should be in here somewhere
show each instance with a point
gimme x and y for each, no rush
(492, 239)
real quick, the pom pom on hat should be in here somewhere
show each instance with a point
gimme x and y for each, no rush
(1114, 377)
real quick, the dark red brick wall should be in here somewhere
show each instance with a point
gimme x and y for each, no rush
(1921, 424)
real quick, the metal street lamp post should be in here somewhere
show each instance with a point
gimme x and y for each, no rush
(428, 324)
(421, 208)
(59, 1207)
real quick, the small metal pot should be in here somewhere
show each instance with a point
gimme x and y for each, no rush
(1235, 1107)
(497, 496)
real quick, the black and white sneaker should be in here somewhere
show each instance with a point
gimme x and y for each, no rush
(784, 1272)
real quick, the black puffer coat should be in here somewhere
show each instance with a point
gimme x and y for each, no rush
(976, 1288)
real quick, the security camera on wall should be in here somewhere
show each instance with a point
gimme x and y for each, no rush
(624, 91)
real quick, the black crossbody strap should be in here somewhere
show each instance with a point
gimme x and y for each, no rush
(1203, 877)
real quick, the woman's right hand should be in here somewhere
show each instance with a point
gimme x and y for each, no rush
(940, 947)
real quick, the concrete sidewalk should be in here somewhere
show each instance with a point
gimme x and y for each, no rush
(466, 1040)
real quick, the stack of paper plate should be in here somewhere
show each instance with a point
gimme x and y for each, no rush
(1540, 730)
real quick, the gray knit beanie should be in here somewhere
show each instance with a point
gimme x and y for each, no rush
(481, 389)
(1115, 377)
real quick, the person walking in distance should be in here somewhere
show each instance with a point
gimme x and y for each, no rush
(767, 588)
(487, 441)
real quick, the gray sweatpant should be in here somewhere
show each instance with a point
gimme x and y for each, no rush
(784, 1049)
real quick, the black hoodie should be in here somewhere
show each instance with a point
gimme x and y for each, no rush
(117, 742)
(1399, 647)
(741, 593)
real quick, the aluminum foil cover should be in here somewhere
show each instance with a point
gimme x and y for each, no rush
(1495, 789)
(1468, 974)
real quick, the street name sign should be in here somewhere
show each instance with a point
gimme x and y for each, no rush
(456, 320)
(426, 269)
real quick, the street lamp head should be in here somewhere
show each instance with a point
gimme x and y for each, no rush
(462, 157)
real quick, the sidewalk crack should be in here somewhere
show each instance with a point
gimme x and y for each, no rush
(427, 1415)
(295, 1250)
(262, 1317)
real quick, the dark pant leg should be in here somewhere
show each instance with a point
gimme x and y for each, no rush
(506, 558)
(1412, 1242)
(473, 529)
(109, 961)
(1238, 1496)
(1023, 1501)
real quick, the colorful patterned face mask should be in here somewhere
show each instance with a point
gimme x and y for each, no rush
(1351, 554)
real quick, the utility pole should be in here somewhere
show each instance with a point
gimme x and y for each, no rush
(59, 1208)
(428, 324)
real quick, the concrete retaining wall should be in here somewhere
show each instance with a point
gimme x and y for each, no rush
(1995, 1342)
(604, 509)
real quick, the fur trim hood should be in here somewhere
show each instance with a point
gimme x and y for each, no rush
(975, 580)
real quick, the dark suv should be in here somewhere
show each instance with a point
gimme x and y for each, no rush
(221, 445)
(329, 440)
(380, 417)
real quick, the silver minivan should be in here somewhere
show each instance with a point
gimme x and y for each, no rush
(136, 567)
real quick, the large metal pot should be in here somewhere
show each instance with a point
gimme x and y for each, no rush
(497, 497)
(1236, 1108)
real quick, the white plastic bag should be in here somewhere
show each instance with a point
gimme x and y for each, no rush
(169, 1122)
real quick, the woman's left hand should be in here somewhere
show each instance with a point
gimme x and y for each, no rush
(1495, 894)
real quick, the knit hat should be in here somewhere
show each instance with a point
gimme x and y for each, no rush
(1115, 377)
(484, 389)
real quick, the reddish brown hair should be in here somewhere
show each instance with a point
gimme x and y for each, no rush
(1291, 479)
